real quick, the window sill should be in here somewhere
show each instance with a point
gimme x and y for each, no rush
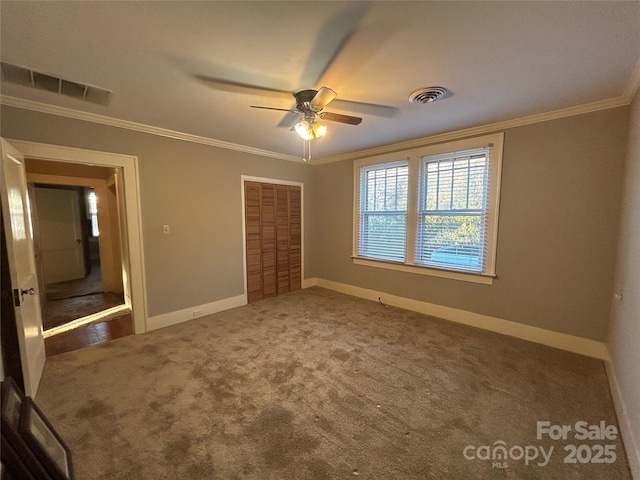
(482, 278)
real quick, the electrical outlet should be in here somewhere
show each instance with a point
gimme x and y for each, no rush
(197, 313)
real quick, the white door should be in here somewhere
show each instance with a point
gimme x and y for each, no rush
(60, 234)
(22, 267)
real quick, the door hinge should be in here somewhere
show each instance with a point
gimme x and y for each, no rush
(16, 297)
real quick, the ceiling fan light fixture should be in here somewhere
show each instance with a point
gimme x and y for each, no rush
(304, 130)
(319, 130)
(310, 130)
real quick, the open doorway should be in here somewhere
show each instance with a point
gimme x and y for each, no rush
(78, 217)
(68, 244)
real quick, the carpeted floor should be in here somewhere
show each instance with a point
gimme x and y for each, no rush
(319, 385)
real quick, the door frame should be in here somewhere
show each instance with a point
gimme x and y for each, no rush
(136, 298)
(273, 181)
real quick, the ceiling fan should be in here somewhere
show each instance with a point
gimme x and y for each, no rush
(309, 104)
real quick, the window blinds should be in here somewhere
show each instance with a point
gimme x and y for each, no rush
(383, 211)
(452, 210)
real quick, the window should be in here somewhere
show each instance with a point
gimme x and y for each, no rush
(383, 211)
(451, 210)
(435, 212)
(93, 212)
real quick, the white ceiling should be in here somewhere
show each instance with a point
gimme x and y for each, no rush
(499, 60)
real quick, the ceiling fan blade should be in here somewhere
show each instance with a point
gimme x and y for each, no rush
(363, 108)
(289, 120)
(273, 108)
(337, 117)
(331, 39)
(322, 98)
(240, 87)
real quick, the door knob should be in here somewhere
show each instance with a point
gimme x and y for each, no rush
(78, 241)
(30, 291)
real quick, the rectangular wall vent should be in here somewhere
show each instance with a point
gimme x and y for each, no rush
(34, 79)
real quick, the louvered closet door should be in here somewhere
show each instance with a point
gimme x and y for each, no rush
(253, 241)
(282, 222)
(295, 239)
(273, 230)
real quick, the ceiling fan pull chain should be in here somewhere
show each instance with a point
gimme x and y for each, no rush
(306, 150)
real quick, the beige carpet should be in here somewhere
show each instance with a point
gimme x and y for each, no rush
(319, 385)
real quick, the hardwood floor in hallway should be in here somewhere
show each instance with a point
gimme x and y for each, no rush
(88, 335)
(68, 301)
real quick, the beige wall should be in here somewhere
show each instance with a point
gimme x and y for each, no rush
(559, 216)
(193, 188)
(624, 331)
(561, 191)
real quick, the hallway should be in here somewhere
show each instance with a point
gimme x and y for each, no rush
(85, 336)
(68, 301)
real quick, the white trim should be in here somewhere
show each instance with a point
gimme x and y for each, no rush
(309, 282)
(563, 341)
(129, 164)
(138, 127)
(186, 314)
(273, 181)
(479, 130)
(632, 445)
(634, 84)
(420, 270)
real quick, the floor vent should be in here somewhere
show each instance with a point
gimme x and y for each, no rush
(34, 79)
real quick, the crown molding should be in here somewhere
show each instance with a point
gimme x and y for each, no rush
(623, 100)
(480, 130)
(138, 127)
(634, 84)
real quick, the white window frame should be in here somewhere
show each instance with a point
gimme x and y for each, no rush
(362, 211)
(414, 156)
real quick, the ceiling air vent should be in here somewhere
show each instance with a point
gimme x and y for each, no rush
(34, 79)
(427, 95)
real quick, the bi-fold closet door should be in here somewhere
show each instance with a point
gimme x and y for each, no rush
(273, 239)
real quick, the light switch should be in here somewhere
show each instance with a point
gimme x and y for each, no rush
(165, 230)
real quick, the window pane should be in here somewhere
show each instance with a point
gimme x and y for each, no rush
(451, 241)
(432, 191)
(383, 219)
(385, 189)
(450, 229)
(460, 183)
(477, 187)
(93, 211)
(383, 236)
(445, 182)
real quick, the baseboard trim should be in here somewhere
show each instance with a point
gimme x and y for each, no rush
(309, 282)
(173, 318)
(563, 341)
(180, 316)
(631, 444)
